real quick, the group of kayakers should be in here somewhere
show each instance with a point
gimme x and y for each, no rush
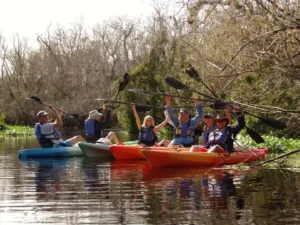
(218, 134)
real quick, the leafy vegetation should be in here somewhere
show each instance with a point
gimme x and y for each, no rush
(274, 144)
(7, 130)
(17, 131)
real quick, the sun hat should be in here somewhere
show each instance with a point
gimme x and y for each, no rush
(41, 114)
(94, 114)
(208, 115)
(222, 117)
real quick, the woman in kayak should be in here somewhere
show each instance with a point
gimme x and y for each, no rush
(147, 134)
(47, 134)
(221, 139)
(184, 130)
(94, 127)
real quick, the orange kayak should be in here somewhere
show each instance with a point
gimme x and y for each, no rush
(135, 151)
(158, 157)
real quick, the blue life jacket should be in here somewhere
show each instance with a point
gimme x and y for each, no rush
(89, 127)
(46, 140)
(147, 136)
(184, 130)
(220, 137)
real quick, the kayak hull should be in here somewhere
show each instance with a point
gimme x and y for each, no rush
(95, 150)
(50, 152)
(159, 157)
(127, 151)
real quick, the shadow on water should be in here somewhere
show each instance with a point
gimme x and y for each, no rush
(92, 191)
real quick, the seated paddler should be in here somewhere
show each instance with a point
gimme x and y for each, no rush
(94, 127)
(184, 130)
(47, 133)
(221, 139)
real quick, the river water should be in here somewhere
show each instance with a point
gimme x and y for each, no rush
(92, 191)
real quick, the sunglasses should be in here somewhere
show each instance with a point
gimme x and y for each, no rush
(220, 121)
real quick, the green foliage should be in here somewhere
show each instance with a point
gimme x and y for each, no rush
(274, 144)
(2, 123)
(17, 131)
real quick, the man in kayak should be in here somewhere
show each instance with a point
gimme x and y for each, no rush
(47, 134)
(222, 137)
(210, 125)
(94, 127)
(184, 130)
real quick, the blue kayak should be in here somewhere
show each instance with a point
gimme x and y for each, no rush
(50, 152)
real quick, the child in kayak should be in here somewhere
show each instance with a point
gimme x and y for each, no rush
(147, 134)
(94, 128)
(47, 134)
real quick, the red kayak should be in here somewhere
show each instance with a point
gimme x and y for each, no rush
(135, 151)
(157, 156)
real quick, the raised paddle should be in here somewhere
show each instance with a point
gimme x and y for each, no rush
(38, 100)
(219, 104)
(172, 82)
(190, 70)
(276, 124)
(163, 94)
(140, 108)
(123, 83)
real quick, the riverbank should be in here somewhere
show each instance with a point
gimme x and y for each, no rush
(16, 131)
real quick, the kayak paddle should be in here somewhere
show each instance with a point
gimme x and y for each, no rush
(38, 100)
(219, 104)
(190, 70)
(162, 94)
(123, 83)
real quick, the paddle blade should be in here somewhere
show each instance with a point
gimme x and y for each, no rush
(34, 98)
(218, 104)
(276, 124)
(190, 70)
(124, 81)
(143, 108)
(172, 82)
(255, 136)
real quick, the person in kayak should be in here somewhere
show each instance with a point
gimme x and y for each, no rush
(184, 130)
(47, 134)
(210, 124)
(147, 130)
(94, 127)
(221, 139)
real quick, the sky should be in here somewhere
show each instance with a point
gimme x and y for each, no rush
(31, 17)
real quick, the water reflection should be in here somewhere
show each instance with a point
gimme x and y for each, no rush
(90, 191)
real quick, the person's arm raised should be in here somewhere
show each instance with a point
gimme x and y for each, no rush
(58, 121)
(227, 112)
(136, 115)
(199, 111)
(173, 118)
(162, 125)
